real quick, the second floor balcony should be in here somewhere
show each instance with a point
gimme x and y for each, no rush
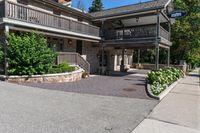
(31, 15)
(139, 32)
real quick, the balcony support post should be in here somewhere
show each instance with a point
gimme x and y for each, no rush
(5, 50)
(157, 40)
(102, 56)
(169, 25)
(168, 57)
(122, 66)
(168, 50)
(102, 48)
(138, 56)
(157, 57)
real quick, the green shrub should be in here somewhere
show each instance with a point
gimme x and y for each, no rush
(61, 68)
(28, 54)
(66, 67)
(160, 79)
(1, 54)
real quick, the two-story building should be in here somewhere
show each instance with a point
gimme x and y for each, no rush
(98, 41)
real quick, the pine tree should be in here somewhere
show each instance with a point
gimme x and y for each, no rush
(96, 6)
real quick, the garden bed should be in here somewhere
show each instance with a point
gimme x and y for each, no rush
(163, 93)
(46, 78)
(161, 81)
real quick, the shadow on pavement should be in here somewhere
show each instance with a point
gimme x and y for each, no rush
(117, 86)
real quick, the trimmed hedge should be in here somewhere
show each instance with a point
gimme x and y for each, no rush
(160, 79)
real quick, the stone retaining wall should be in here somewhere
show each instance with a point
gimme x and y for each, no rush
(152, 66)
(47, 78)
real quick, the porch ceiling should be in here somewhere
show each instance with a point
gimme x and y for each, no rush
(61, 35)
(136, 21)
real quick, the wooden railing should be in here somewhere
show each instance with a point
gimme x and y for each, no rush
(74, 59)
(27, 14)
(165, 34)
(135, 33)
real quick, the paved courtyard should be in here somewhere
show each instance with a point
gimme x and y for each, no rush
(57, 109)
(131, 85)
(33, 110)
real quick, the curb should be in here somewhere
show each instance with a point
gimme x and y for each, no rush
(162, 94)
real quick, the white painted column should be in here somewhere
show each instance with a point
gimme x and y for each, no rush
(5, 51)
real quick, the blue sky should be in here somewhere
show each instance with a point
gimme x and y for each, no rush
(109, 3)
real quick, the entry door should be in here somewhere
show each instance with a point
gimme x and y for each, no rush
(79, 46)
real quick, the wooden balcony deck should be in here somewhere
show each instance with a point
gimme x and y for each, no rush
(23, 13)
(140, 36)
(135, 33)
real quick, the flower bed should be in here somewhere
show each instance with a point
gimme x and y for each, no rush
(160, 79)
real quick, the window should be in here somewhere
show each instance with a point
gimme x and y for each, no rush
(56, 44)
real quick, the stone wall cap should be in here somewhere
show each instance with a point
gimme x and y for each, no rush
(44, 75)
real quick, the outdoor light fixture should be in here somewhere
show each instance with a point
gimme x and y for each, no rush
(70, 41)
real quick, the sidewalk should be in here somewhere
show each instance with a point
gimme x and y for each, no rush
(178, 112)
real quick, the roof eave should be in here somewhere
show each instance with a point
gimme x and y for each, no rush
(71, 10)
(126, 13)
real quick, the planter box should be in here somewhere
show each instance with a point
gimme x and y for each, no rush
(46, 78)
(162, 94)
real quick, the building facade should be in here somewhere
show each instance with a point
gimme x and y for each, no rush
(98, 42)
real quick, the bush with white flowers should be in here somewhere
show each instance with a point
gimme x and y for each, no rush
(160, 79)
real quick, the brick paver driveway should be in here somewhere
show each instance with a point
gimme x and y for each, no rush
(130, 85)
(27, 109)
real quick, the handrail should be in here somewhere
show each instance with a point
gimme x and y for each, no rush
(135, 33)
(132, 33)
(74, 59)
(164, 33)
(28, 14)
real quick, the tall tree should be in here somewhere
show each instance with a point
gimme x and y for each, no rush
(186, 33)
(97, 5)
